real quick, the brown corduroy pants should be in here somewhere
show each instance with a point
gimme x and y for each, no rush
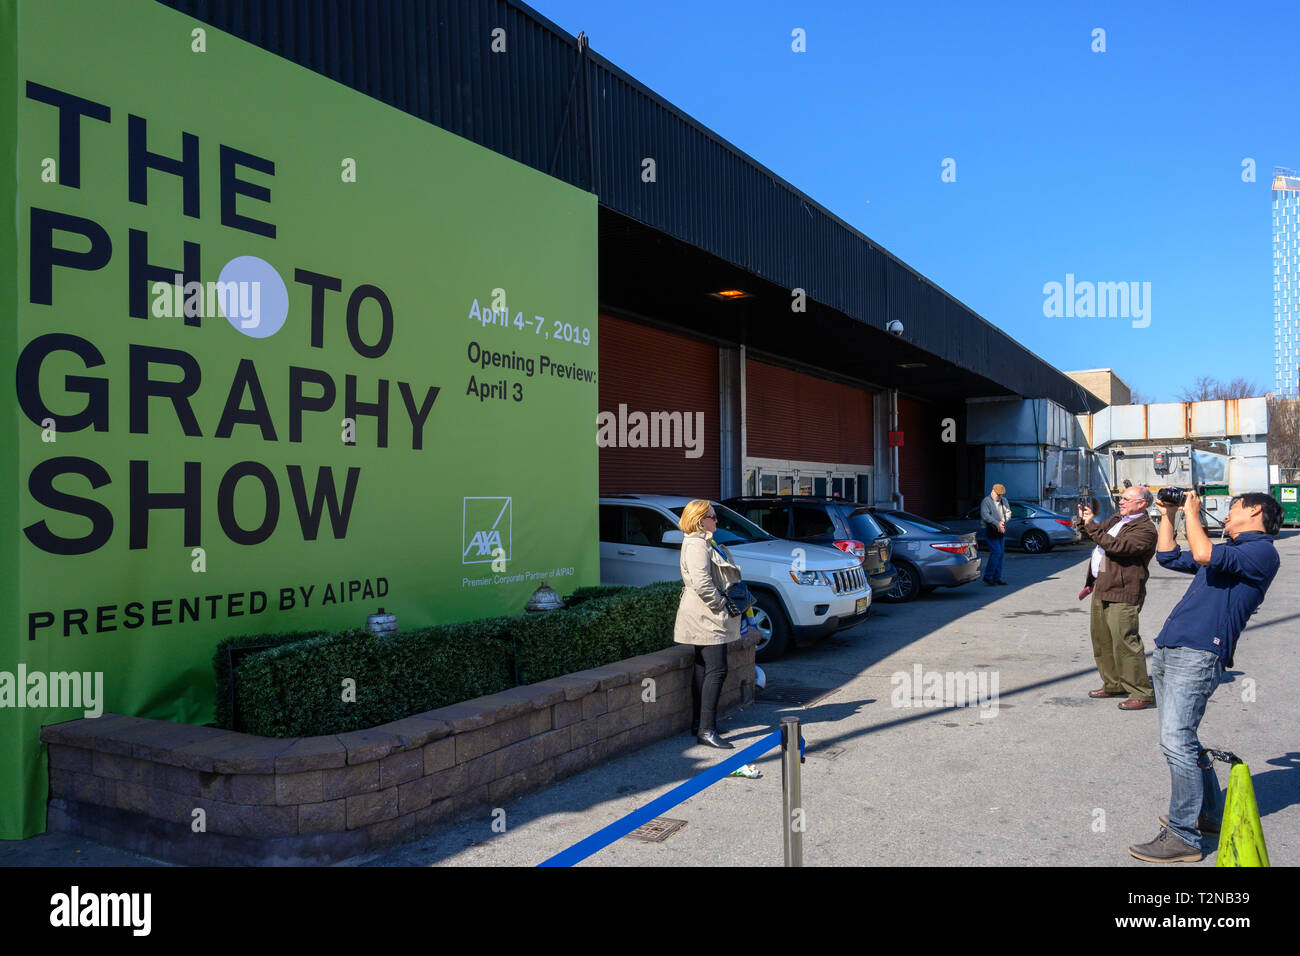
(1117, 649)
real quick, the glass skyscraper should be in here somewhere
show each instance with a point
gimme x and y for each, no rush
(1286, 280)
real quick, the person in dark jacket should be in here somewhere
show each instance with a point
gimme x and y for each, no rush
(1195, 645)
(1117, 580)
(995, 514)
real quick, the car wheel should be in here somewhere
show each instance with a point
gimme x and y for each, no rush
(1035, 542)
(907, 584)
(773, 632)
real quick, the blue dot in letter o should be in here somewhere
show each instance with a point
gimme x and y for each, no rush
(253, 297)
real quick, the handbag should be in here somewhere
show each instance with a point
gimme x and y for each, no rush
(737, 596)
(738, 599)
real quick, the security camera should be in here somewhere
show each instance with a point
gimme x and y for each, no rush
(894, 326)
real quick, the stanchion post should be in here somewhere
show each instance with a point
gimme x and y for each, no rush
(791, 792)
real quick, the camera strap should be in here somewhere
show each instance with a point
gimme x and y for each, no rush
(1223, 756)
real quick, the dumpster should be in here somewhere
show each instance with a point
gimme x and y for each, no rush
(1288, 496)
(1214, 507)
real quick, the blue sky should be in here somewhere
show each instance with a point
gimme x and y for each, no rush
(1122, 166)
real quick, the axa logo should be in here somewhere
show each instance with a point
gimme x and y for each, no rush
(486, 530)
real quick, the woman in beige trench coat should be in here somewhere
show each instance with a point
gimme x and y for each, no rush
(702, 618)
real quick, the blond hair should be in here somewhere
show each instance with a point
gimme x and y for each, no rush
(1000, 489)
(693, 514)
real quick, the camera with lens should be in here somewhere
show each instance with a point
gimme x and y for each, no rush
(1176, 496)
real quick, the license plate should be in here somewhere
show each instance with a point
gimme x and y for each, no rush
(862, 605)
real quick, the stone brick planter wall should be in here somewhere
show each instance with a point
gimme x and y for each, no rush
(137, 784)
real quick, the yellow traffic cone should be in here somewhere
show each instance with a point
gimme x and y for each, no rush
(1241, 840)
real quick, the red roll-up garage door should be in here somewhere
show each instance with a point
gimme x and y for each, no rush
(794, 416)
(651, 371)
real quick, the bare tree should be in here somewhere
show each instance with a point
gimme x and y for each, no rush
(1200, 392)
(1284, 432)
(1137, 397)
(1208, 389)
(1239, 388)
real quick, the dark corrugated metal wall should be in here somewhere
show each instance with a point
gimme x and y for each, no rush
(433, 59)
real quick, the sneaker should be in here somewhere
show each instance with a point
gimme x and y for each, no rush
(1203, 823)
(1166, 848)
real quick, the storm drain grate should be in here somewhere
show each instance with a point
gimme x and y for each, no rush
(796, 695)
(656, 831)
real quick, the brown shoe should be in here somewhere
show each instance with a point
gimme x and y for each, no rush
(1103, 692)
(1166, 848)
(1132, 704)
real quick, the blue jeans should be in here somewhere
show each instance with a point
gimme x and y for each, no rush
(993, 567)
(1184, 680)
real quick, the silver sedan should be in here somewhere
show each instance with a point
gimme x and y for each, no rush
(1032, 528)
(926, 554)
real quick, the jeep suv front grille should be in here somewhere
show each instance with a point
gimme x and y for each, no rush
(853, 579)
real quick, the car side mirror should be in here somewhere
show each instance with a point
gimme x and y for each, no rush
(675, 536)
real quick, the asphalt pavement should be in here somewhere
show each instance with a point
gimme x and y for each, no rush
(1033, 772)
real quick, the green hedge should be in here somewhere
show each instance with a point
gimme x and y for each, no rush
(296, 688)
(602, 630)
(230, 649)
(583, 595)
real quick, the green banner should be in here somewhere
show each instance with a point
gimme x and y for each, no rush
(280, 355)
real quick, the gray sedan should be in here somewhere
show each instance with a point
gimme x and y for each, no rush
(1032, 528)
(926, 554)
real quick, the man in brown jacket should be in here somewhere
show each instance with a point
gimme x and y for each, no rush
(1117, 579)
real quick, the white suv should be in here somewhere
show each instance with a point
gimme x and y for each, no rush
(800, 596)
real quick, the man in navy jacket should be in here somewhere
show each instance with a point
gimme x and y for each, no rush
(1195, 645)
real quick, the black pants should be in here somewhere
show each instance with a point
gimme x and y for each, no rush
(706, 686)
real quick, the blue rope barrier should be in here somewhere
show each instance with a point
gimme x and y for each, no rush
(684, 791)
